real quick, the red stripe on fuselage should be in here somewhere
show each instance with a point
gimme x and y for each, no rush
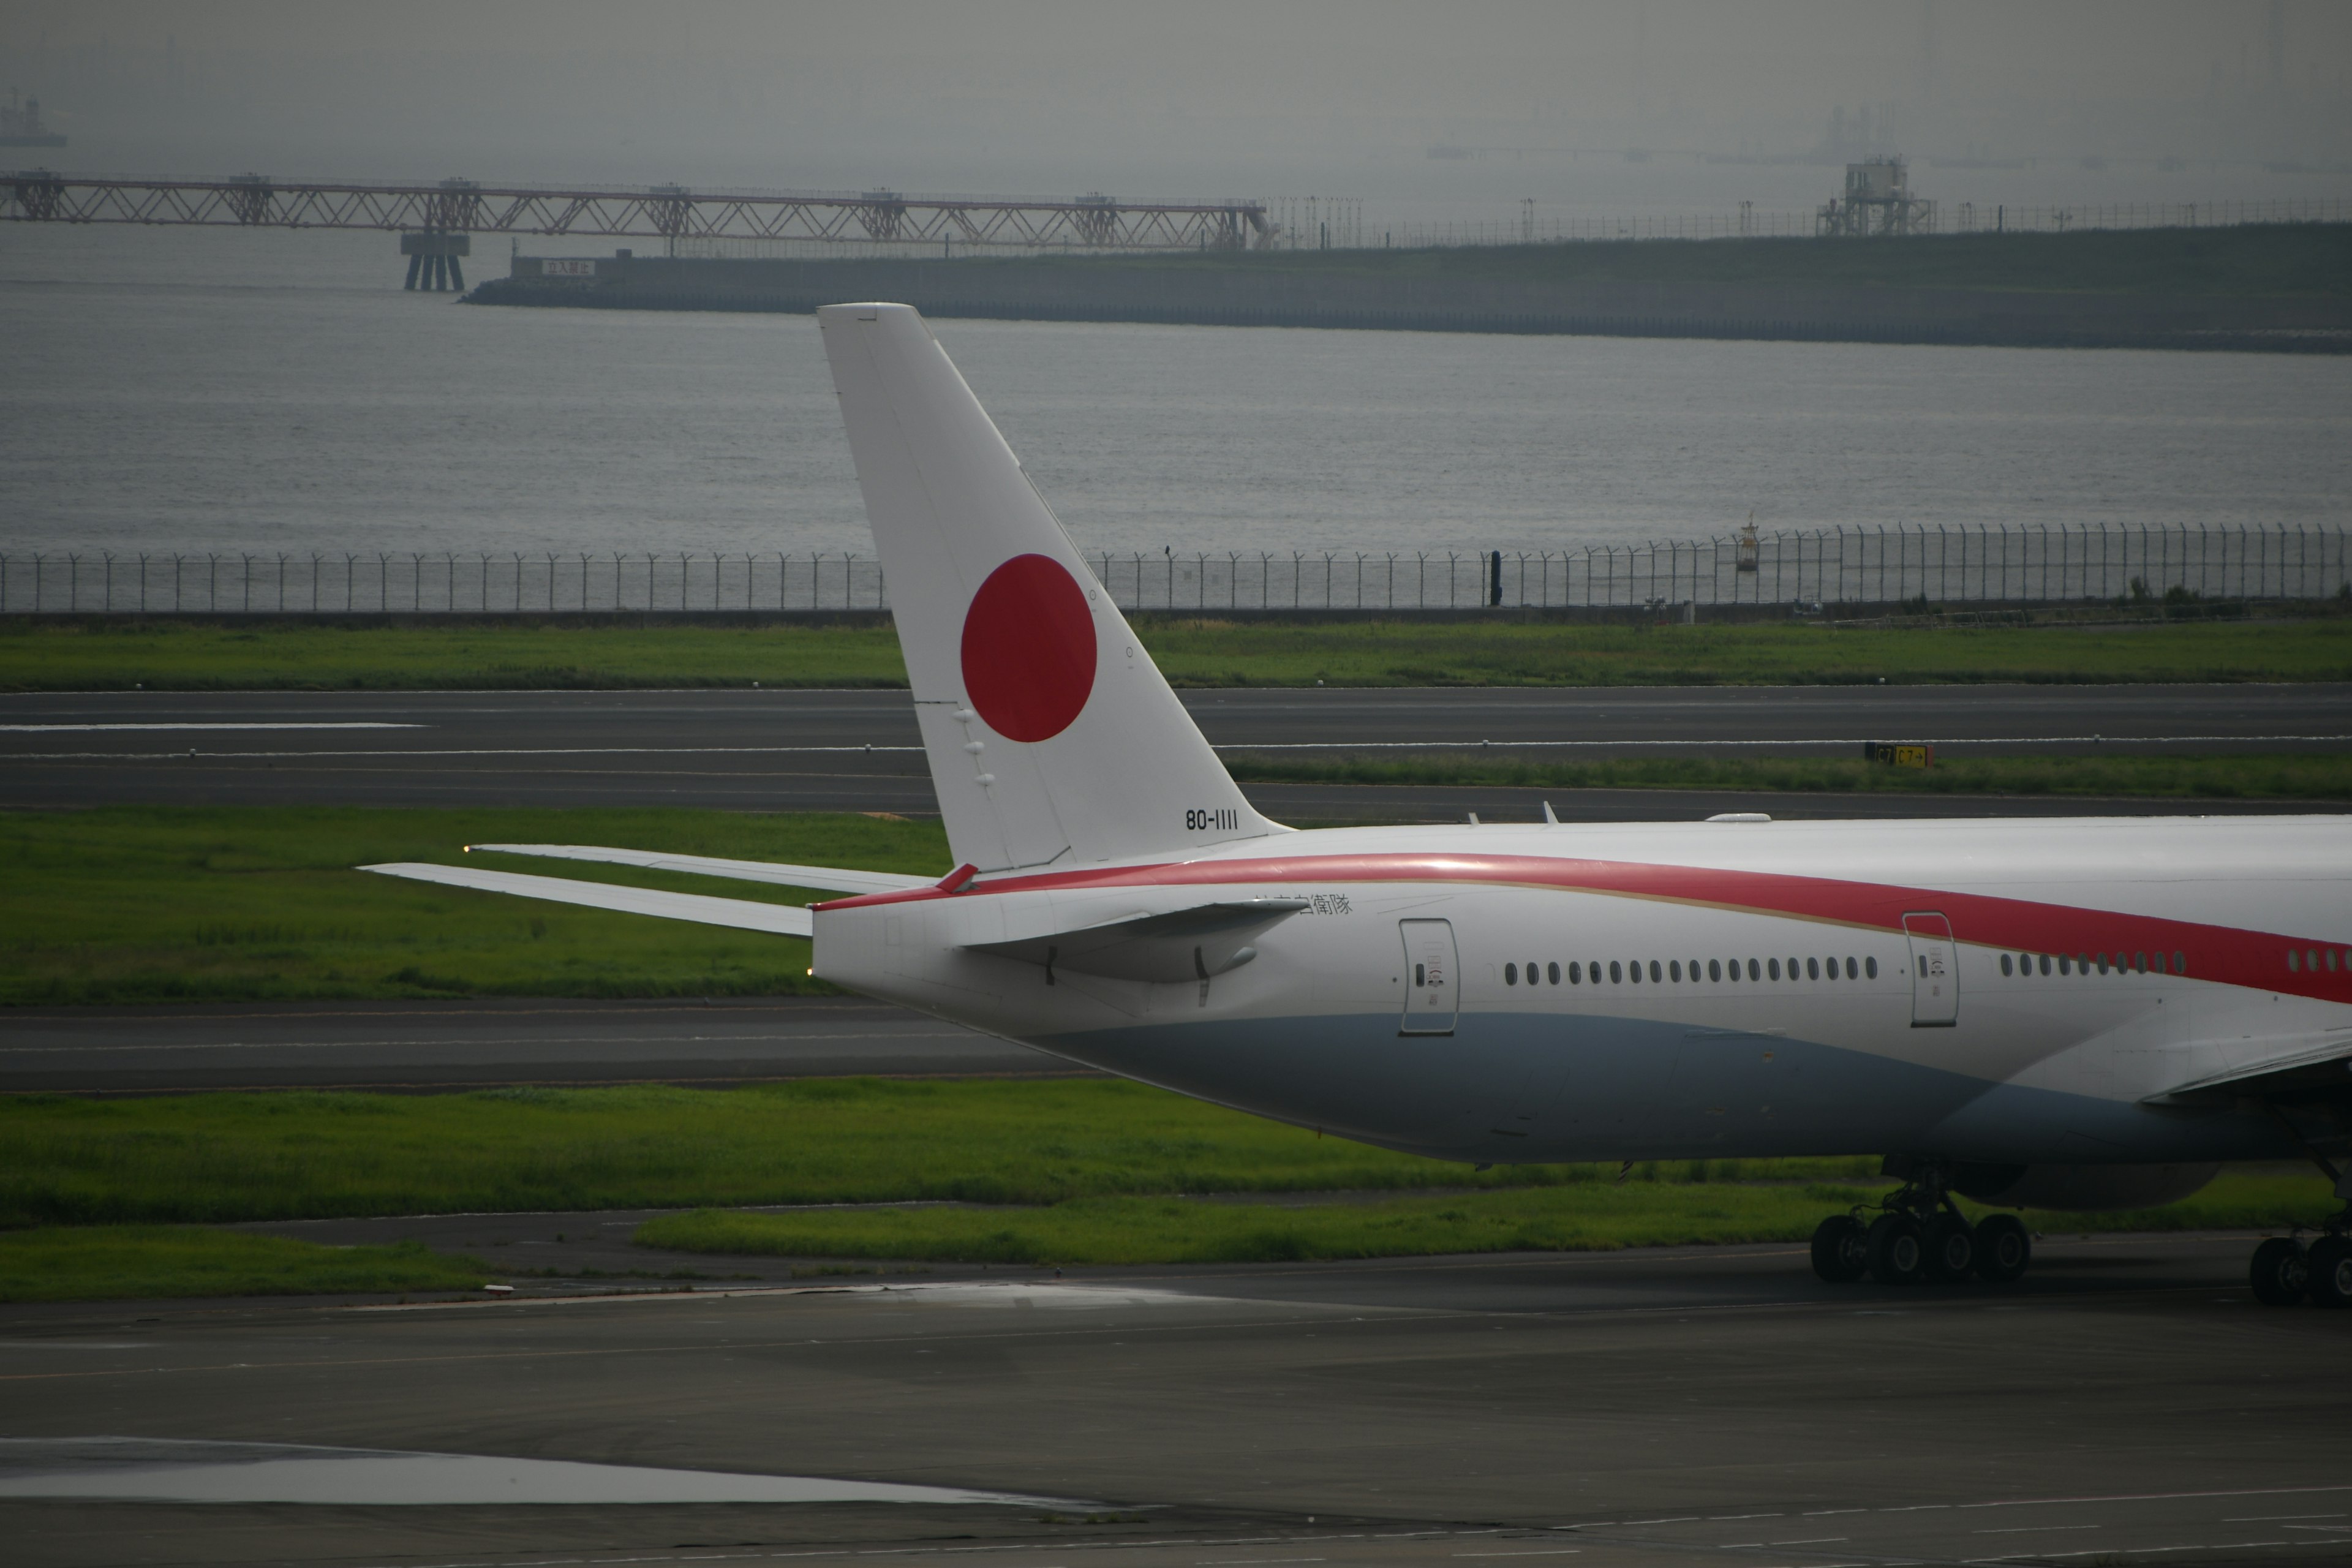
(2226, 954)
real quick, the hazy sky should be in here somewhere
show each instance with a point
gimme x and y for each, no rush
(1208, 97)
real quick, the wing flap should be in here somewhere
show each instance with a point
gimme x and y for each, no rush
(743, 914)
(828, 878)
(1196, 943)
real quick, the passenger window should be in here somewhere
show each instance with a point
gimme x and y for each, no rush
(2004, 963)
(1870, 967)
(2290, 961)
(2103, 964)
(1553, 970)
(1773, 967)
(2045, 963)
(1510, 974)
(1418, 977)
(2311, 959)
(1576, 974)
(1715, 969)
(1849, 968)
(2139, 963)
(1753, 974)
(2179, 963)
(1674, 971)
(1654, 971)
(1616, 974)
(1812, 968)
(2331, 960)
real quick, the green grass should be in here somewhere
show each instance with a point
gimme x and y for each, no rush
(228, 1157)
(1195, 650)
(2315, 777)
(157, 904)
(1592, 1216)
(129, 1261)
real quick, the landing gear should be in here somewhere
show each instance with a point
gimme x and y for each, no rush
(2328, 1272)
(1841, 1249)
(2284, 1271)
(1898, 1255)
(2280, 1272)
(1919, 1234)
(2004, 1249)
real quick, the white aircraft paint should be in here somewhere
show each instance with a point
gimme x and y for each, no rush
(1974, 998)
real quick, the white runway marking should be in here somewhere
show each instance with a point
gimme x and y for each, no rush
(255, 724)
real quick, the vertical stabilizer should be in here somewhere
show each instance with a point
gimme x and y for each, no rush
(1053, 738)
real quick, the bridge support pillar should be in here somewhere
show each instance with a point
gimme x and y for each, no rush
(433, 260)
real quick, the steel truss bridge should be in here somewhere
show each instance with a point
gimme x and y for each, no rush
(669, 213)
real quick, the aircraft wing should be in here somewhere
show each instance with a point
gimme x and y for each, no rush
(2311, 1066)
(743, 914)
(829, 879)
(1185, 944)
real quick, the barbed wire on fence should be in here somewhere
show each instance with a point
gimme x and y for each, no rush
(1921, 565)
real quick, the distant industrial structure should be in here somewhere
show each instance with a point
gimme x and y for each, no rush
(20, 125)
(1877, 201)
(434, 221)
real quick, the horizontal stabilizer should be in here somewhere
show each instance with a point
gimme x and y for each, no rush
(829, 879)
(1188, 944)
(743, 914)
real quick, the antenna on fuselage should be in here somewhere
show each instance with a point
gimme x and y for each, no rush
(1550, 820)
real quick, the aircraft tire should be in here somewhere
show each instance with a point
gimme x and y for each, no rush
(2280, 1272)
(1841, 1249)
(2004, 1248)
(1898, 1255)
(2328, 1272)
(1951, 1249)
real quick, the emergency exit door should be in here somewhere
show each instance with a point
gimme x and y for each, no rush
(1934, 972)
(1433, 984)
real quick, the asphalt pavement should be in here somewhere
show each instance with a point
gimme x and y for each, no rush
(1665, 1407)
(858, 750)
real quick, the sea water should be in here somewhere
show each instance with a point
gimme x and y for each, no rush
(216, 390)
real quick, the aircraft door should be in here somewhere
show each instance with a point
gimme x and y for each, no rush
(1433, 980)
(1935, 970)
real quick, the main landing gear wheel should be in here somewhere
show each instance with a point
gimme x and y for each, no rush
(2280, 1272)
(1951, 1249)
(1918, 1232)
(1841, 1249)
(2327, 1270)
(2004, 1249)
(1898, 1255)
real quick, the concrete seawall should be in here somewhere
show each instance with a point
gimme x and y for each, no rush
(1136, 289)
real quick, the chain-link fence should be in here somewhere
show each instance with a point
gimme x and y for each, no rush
(1939, 566)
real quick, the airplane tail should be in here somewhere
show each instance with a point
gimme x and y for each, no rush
(1053, 738)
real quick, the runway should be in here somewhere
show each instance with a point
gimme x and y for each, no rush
(1665, 1406)
(834, 750)
(488, 1042)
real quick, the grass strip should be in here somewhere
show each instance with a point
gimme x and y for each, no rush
(2313, 776)
(130, 904)
(90, 1263)
(1197, 650)
(1589, 1217)
(217, 1158)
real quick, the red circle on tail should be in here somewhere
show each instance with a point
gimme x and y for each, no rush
(1029, 649)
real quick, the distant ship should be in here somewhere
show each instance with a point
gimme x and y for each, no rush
(21, 127)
